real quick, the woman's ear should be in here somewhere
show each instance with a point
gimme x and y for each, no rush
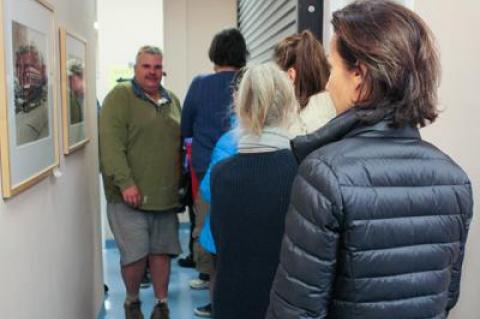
(292, 74)
(358, 81)
(359, 75)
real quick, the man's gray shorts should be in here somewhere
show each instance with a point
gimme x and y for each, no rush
(141, 233)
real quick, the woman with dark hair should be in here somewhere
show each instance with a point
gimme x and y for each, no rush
(205, 117)
(205, 113)
(303, 58)
(378, 217)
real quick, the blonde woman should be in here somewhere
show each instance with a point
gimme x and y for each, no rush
(250, 195)
(303, 58)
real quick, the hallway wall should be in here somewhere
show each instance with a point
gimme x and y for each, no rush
(125, 26)
(50, 248)
(189, 28)
(455, 24)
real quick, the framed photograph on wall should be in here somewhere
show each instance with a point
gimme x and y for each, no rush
(73, 54)
(28, 139)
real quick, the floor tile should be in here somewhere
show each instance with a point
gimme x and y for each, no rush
(181, 298)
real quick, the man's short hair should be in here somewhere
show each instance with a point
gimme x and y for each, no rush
(75, 67)
(148, 49)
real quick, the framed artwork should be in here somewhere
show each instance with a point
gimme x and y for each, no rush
(28, 139)
(73, 53)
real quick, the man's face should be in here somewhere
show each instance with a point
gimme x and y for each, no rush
(76, 84)
(30, 72)
(148, 72)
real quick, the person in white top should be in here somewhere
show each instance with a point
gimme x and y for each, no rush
(303, 58)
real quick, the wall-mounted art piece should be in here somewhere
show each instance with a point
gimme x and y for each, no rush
(73, 51)
(28, 140)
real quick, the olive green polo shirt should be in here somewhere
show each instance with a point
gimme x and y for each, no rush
(140, 145)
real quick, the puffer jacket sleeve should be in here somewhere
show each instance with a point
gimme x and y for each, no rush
(302, 287)
(225, 148)
(466, 206)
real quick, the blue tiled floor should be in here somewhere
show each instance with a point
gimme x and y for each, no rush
(181, 298)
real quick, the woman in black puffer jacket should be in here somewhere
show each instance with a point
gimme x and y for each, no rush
(378, 217)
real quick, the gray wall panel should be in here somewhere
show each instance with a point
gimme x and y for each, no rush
(264, 23)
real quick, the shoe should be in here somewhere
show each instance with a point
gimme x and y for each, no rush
(199, 284)
(160, 311)
(204, 276)
(146, 280)
(133, 310)
(204, 311)
(186, 262)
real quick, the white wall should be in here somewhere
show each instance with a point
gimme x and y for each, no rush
(50, 256)
(189, 28)
(455, 24)
(123, 27)
(330, 6)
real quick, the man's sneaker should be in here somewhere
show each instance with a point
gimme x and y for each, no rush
(199, 284)
(186, 262)
(204, 311)
(146, 280)
(160, 311)
(133, 310)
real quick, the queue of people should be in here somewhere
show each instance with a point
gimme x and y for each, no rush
(316, 196)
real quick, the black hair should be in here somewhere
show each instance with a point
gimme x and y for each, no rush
(228, 48)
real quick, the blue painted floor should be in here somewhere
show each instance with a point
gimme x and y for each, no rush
(181, 298)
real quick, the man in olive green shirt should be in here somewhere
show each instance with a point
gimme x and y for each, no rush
(140, 161)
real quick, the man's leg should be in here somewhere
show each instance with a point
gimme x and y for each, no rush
(191, 216)
(130, 229)
(160, 271)
(164, 243)
(132, 275)
(203, 260)
(188, 261)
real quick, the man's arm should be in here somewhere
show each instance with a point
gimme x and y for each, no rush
(113, 145)
(304, 280)
(189, 110)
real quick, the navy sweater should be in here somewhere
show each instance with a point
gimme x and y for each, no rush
(250, 197)
(206, 115)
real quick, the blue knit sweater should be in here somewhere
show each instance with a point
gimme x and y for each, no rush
(206, 115)
(250, 197)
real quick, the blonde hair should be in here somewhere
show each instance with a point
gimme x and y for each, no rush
(265, 98)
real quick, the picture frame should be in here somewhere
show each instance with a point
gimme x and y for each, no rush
(73, 56)
(28, 117)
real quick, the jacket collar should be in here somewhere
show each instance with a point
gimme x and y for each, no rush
(348, 124)
(271, 139)
(165, 97)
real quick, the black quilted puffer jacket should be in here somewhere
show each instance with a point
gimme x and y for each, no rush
(376, 227)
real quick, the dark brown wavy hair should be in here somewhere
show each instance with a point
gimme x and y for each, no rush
(399, 56)
(305, 54)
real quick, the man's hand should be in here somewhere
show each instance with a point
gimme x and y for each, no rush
(132, 196)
